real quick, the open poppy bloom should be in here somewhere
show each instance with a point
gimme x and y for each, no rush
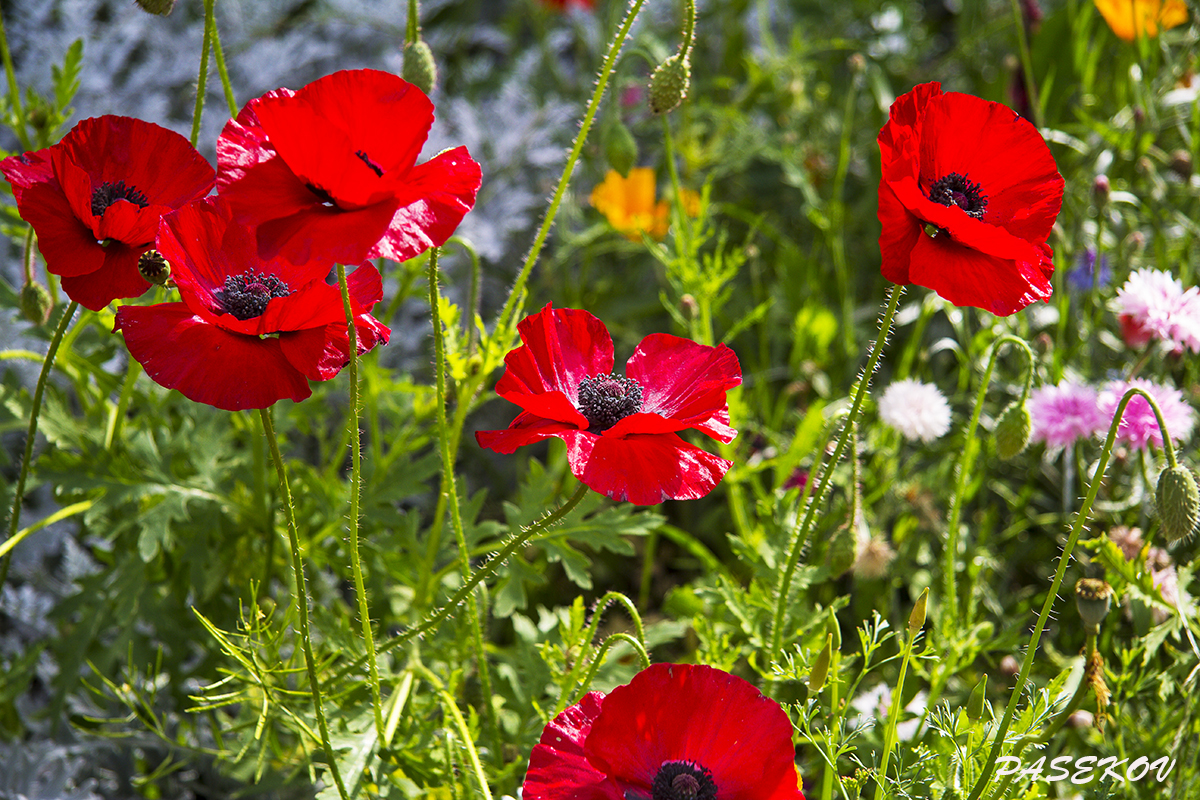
(675, 732)
(629, 205)
(1131, 19)
(621, 432)
(329, 173)
(249, 331)
(968, 196)
(95, 199)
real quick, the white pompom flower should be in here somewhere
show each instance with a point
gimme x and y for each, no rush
(917, 410)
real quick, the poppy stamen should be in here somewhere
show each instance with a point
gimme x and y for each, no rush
(325, 197)
(110, 192)
(246, 296)
(607, 399)
(366, 159)
(958, 190)
(683, 780)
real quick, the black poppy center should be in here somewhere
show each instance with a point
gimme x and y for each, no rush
(246, 296)
(958, 190)
(325, 197)
(366, 159)
(110, 192)
(683, 780)
(607, 399)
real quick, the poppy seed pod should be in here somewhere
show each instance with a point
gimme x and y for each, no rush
(157, 7)
(36, 303)
(153, 267)
(1178, 502)
(419, 67)
(670, 83)
(1092, 598)
(1012, 430)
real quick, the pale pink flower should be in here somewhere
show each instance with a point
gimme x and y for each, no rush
(918, 410)
(1153, 305)
(1065, 413)
(1138, 425)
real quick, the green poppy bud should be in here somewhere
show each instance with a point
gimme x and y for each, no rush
(669, 84)
(820, 668)
(978, 698)
(843, 551)
(1012, 430)
(36, 303)
(419, 67)
(153, 267)
(916, 620)
(1092, 598)
(1178, 502)
(619, 148)
(158, 7)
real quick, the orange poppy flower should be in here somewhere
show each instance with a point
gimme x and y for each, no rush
(629, 204)
(1130, 19)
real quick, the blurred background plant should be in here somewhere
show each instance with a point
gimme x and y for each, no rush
(143, 620)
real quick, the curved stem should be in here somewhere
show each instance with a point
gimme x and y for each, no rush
(516, 294)
(487, 570)
(966, 458)
(689, 28)
(1048, 605)
(210, 24)
(302, 601)
(364, 608)
(637, 646)
(464, 732)
(450, 492)
(826, 472)
(598, 611)
(27, 257)
(39, 390)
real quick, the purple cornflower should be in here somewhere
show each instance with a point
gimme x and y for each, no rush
(1138, 425)
(1065, 413)
(1079, 278)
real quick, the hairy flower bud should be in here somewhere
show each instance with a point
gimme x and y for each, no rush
(1012, 430)
(36, 303)
(669, 84)
(153, 267)
(619, 147)
(419, 67)
(1092, 598)
(843, 551)
(158, 7)
(1178, 502)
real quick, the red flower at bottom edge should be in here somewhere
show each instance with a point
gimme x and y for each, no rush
(675, 731)
(968, 197)
(621, 433)
(248, 332)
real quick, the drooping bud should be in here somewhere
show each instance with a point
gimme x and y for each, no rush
(419, 67)
(1092, 597)
(620, 149)
(843, 551)
(1012, 430)
(1178, 502)
(670, 83)
(154, 267)
(978, 698)
(36, 303)
(158, 7)
(820, 668)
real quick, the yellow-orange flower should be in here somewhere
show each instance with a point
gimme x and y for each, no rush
(1131, 19)
(629, 204)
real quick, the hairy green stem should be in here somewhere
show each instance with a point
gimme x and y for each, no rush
(27, 255)
(1063, 560)
(826, 472)
(637, 646)
(588, 634)
(210, 24)
(364, 608)
(962, 469)
(464, 732)
(412, 30)
(219, 54)
(889, 738)
(516, 294)
(14, 519)
(302, 601)
(450, 492)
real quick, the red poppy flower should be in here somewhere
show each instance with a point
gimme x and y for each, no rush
(95, 198)
(967, 200)
(620, 432)
(248, 332)
(675, 732)
(564, 5)
(330, 173)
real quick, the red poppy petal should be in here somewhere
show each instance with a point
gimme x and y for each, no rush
(561, 348)
(525, 429)
(207, 364)
(118, 278)
(898, 139)
(967, 277)
(899, 234)
(558, 768)
(673, 712)
(643, 469)
(69, 246)
(324, 234)
(321, 353)
(685, 381)
(243, 144)
(28, 169)
(433, 198)
(124, 221)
